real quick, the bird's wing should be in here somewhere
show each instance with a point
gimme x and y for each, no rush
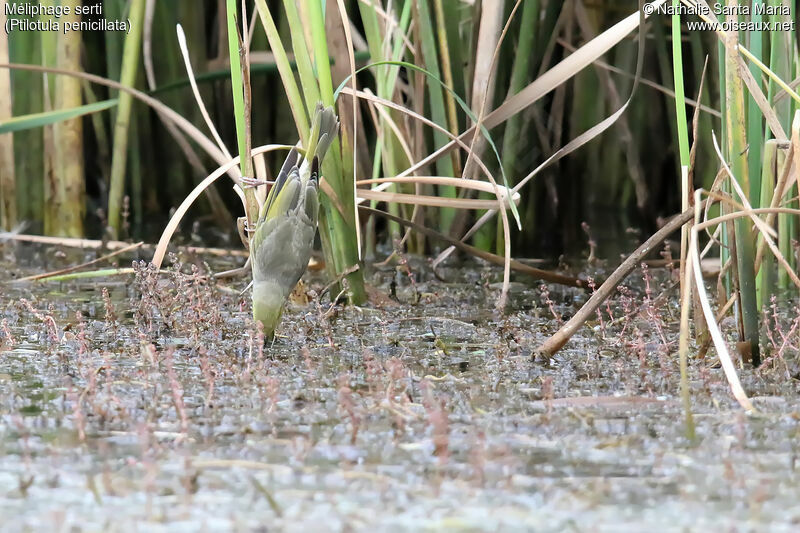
(277, 187)
(312, 200)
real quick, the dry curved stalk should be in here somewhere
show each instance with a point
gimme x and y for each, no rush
(766, 231)
(367, 95)
(481, 186)
(404, 144)
(518, 266)
(564, 70)
(568, 148)
(147, 42)
(96, 244)
(644, 81)
(217, 205)
(373, 109)
(486, 96)
(424, 199)
(483, 75)
(196, 92)
(172, 225)
(713, 327)
(560, 338)
(190, 129)
(401, 137)
(457, 141)
(45, 275)
(581, 58)
(557, 341)
(752, 213)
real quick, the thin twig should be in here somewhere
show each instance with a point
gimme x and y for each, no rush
(560, 338)
(72, 242)
(78, 267)
(518, 266)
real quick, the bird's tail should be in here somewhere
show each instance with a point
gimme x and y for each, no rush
(324, 129)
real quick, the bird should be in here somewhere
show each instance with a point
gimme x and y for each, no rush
(284, 233)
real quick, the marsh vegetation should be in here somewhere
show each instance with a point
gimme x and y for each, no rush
(429, 372)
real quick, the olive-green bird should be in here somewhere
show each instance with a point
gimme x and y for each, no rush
(284, 235)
